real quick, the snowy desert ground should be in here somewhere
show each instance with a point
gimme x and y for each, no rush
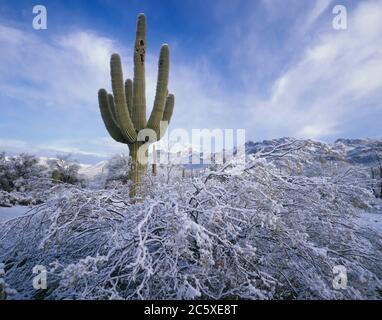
(277, 230)
(369, 220)
(12, 212)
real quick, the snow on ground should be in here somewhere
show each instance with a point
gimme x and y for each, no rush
(371, 220)
(92, 171)
(12, 212)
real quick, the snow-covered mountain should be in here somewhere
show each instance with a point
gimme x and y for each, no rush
(91, 171)
(354, 151)
(299, 206)
(362, 151)
(366, 152)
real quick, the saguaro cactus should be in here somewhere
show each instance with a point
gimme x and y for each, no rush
(124, 111)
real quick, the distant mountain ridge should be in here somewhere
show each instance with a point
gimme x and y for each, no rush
(362, 151)
(356, 151)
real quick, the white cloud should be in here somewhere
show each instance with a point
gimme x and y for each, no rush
(338, 79)
(57, 74)
(13, 145)
(335, 79)
(320, 6)
(66, 72)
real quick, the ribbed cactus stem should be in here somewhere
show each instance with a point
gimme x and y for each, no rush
(167, 115)
(107, 117)
(110, 100)
(124, 112)
(139, 84)
(169, 109)
(161, 90)
(129, 96)
(135, 169)
(117, 83)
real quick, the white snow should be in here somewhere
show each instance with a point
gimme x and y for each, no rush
(269, 232)
(92, 171)
(12, 212)
(371, 220)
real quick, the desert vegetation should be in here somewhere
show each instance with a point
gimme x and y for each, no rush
(273, 232)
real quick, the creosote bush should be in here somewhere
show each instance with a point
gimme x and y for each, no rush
(258, 235)
(5, 291)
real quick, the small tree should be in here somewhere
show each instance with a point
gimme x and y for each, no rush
(21, 173)
(116, 169)
(29, 173)
(64, 169)
(5, 290)
(5, 174)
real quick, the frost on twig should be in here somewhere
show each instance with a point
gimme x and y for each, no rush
(5, 290)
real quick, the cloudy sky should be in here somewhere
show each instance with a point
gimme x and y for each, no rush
(272, 67)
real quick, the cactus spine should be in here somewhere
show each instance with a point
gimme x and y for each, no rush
(124, 111)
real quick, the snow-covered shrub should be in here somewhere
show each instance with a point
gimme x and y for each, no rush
(118, 169)
(64, 169)
(5, 290)
(23, 178)
(20, 172)
(10, 199)
(262, 234)
(5, 174)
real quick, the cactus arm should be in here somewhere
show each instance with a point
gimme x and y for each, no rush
(139, 84)
(129, 96)
(169, 109)
(122, 113)
(112, 108)
(167, 114)
(161, 90)
(107, 117)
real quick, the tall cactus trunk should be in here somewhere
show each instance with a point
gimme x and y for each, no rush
(137, 169)
(134, 174)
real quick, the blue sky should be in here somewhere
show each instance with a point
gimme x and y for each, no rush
(273, 67)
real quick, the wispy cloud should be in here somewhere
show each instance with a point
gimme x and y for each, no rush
(338, 78)
(64, 74)
(319, 7)
(293, 76)
(60, 73)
